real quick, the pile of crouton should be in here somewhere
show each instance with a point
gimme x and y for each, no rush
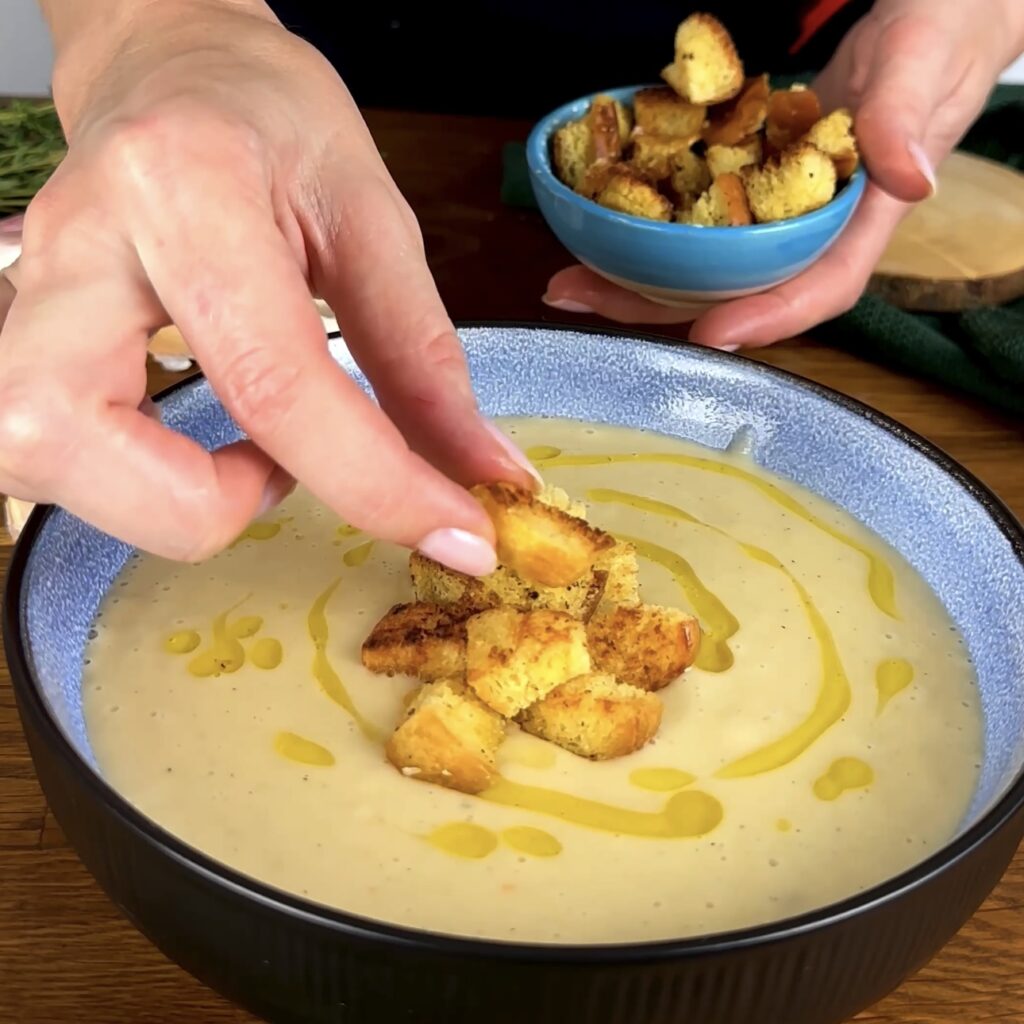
(711, 147)
(556, 640)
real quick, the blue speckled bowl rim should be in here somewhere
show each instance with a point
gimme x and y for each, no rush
(538, 158)
(367, 929)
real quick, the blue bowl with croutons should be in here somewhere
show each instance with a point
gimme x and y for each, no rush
(678, 264)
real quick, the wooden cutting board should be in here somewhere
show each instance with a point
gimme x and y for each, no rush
(962, 248)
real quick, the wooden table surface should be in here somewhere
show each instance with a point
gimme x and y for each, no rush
(67, 955)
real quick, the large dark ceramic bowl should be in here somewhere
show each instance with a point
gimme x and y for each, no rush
(291, 960)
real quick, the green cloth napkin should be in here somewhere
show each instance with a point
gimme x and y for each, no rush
(979, 352)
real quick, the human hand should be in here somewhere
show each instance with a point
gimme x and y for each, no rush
(217, 173)
(916, 73)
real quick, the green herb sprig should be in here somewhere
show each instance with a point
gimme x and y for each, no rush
(31, 146)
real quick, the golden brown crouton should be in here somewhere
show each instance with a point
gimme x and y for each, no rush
(741, 117)
(448, 737)
(597, 175)
(653, 154)
(466, 595)
(659, 111)
(571, 152)
(707, 68)
(833, 135)
(723, 205)
(514, 658)
(595, 716)
(646, 646)
(540, 543)
(628, 191)
(690, 176)
(622, 586)
(730, 159)
(791, 115)
(801, 180)
(558, 498)
(420, 640)
(608, 121)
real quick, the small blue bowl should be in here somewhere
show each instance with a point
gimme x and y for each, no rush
(679, 264)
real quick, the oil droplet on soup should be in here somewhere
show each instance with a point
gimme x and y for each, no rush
(266, 653)
(246, 626)
(661, 780)
(355, 557)
(844, 774)
(534, 842)
(183, 641)
(259, 531)
(464, 839)
(891, 677)
(298, 748)
(783, 825)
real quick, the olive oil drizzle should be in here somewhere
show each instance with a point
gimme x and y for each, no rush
(685, 815)
(881, 583)
(323, 670)
(892, 676)
(834, 694)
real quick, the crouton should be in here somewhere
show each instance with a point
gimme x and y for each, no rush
(801, 180)
(514, 658)
(595, 716)
(422, 640)
(466, 595)
(597, 176)
(659, 111)
(628, 191)
(558, 498)
(622, 583)
(540, 543)
(571, 152)
(707, 69)
(791, 115)
(690, 176)
(723, 205)
(833, 135)
(449, 737)
(741, 117)
(653, 155)
(645, 646)
(730, 159)
(609, 126)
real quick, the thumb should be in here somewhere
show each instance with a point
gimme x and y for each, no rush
(907, 78)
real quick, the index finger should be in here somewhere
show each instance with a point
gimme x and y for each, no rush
(229, 280)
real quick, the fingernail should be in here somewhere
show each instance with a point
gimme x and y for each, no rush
(728, 348)
(923, 164)
(278, 486)
(460, 550)
(567, 305)
(512, 450)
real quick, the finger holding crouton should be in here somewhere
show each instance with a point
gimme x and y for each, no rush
(539, 542)
(595, 716)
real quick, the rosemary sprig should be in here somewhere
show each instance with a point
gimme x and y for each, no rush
(31, 146)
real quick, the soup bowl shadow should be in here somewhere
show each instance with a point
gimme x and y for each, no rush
(291, 960)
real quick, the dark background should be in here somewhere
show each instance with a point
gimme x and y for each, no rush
(521, 59)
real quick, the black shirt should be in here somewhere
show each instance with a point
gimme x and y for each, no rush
(523, 57)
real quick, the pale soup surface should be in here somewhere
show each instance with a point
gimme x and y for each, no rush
(833, 718)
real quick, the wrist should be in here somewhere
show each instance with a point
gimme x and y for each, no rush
(87, 37)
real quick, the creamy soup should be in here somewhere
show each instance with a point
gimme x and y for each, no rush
(828, 737)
